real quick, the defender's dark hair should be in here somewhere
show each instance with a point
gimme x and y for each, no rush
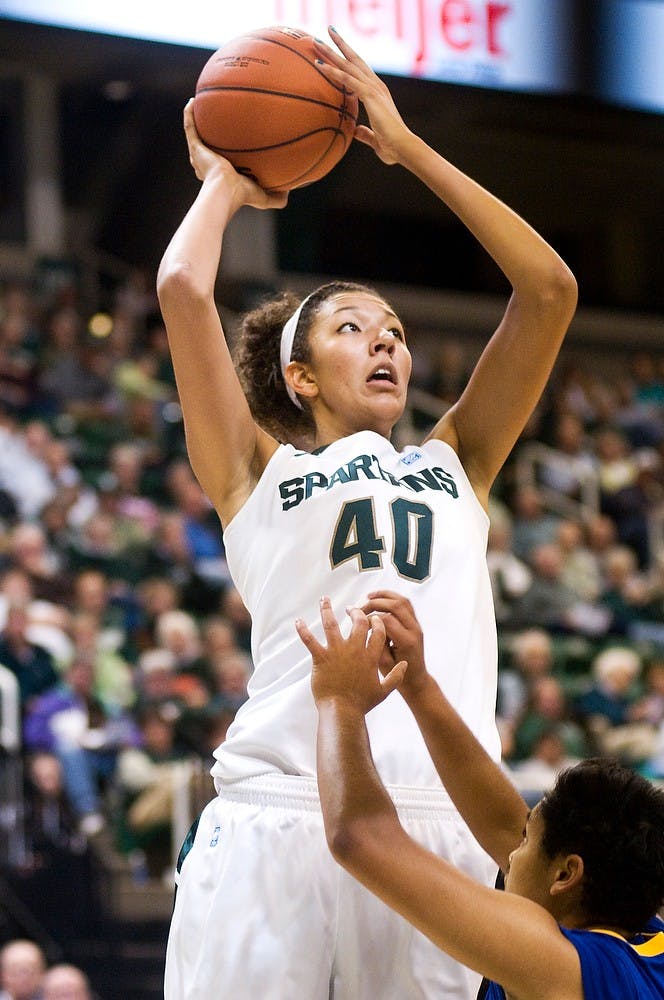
(614, 819)
(258, 365)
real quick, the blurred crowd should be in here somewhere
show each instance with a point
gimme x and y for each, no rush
(131, 647)
(576, 558)
(25, 974)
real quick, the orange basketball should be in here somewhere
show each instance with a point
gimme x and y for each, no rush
(263, 103)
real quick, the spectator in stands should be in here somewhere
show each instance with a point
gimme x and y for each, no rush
(182, 698)
(155, 682)
(570, 466)
(510, 576)
(93, 594)
(179, 632)
(532, 656)
(72, 723)
(547, 709)
(72, 380)
(536, 774)
(22, 966)
(532, 525)
(66, 982)
(551, 602)
(113, 676)
(146, 777)
(202, 525)
(101, 543)
(30, 551)
(192, 554)
(601, 535)
(77, 500)
(650, 706)
(626, 593)
(154, 595)
(18, 366)
(232, 673)
(609, 710)
(17, 301)
(32, 665)
(637, 414)
(233, 609)
(126, 464)
(218, 639)
(15, 588)
(171, 549)
(648, 381)
(580, 392)
(51, 825)
(450, 371)
(24, 478)
(621, 495)
(48, 627)
(581, 570)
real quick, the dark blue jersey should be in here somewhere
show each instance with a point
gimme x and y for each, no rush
(615, 969)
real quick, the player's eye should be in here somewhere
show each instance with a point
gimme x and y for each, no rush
(397, 332)
(349, 327)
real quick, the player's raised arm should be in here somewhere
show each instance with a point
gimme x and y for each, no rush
(226, 448)
(486, 799)
(515, 366)
(469, 921)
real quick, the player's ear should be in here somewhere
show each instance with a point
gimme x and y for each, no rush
(301, 379)
(568, 874)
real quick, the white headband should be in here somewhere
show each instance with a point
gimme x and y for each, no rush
(286, 349)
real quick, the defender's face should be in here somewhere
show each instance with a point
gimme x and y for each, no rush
(360, 363)
(531, 872)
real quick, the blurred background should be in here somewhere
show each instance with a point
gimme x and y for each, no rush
(113, 585)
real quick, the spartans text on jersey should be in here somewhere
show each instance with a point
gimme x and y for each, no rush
(294, 491)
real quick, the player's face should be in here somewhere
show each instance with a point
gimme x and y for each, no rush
(531, 871)
(360, 365)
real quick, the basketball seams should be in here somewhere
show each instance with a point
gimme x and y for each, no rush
(302, 177)
(287, 142)
(300, 55)
(342, 111)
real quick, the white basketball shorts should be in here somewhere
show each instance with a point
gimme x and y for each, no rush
(263, 912)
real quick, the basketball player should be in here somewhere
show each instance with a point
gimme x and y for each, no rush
(262, 910)
(584, 870)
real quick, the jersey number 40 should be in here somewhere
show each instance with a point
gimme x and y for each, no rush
(356, 537)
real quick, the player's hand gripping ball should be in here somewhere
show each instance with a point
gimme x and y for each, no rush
(263, 103)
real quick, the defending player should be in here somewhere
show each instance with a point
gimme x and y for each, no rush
(261, 910)
(584, 870)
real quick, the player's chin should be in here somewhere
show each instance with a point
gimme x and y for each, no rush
(387, 401)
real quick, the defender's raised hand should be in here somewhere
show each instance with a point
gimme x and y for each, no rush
(346, 669)
(403, 634)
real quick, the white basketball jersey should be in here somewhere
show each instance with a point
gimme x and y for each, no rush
(359, 516)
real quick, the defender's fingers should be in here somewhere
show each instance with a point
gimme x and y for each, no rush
(308, 638)
(328, 618)
(391, 681)
(390, 595)
(388, 602)
(360, 624)
(376, 640)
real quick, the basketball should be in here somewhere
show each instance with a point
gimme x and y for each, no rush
(263, 103)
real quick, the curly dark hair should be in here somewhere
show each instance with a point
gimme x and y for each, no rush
(614, 819)
(256, 357)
